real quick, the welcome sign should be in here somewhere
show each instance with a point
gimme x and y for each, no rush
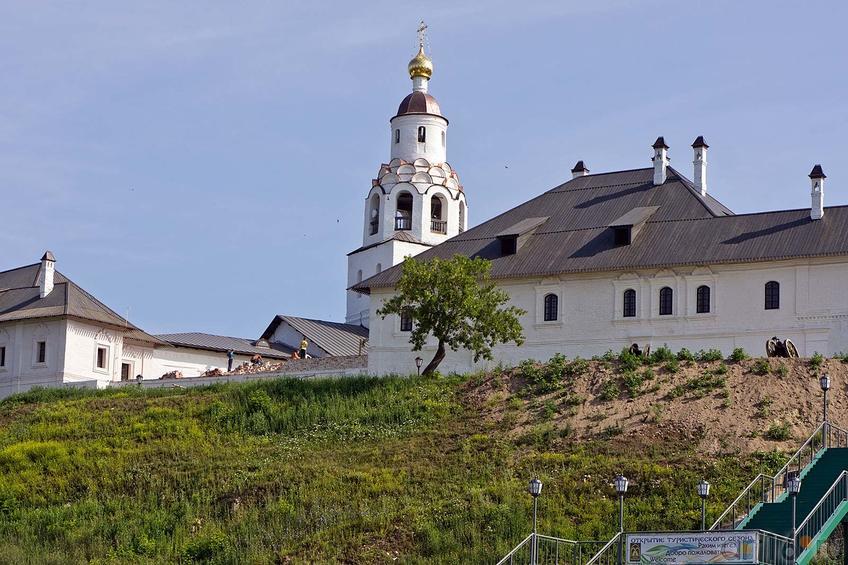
(700, 547)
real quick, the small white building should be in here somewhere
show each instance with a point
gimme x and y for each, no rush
(646, 256)
(416, 201)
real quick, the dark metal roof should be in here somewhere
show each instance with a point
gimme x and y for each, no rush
(660, 143)
(579, 168)
(402, 235)
(20, 300)
(419, 103)
(48, 256)
(209, 342)
(685, 230)
(817, 173)
(334, 338)
(635, 216)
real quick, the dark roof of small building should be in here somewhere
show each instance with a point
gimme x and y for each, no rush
(334, 338)
(402, 235)
(20, 300)
(209, 342)
(685, 229)
(419, 103)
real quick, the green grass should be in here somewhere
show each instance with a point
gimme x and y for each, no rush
(357, 470)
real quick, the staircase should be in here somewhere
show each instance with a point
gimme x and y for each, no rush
(820, 505)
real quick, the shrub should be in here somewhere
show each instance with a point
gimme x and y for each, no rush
(779, 431)
(816, 361)
(842, 357)
(673, 365)
(576, 368)
(782, 370)
(721, 369)
(632, 382)
(738, 355)
(761, 367)
(685, 355)
(628, 361)
(610, 390)
(662, 355)
(764, 407)
(709, 355)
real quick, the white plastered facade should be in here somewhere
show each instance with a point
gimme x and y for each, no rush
(813, 312)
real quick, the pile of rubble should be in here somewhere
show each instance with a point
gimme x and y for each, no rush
(248, 368)
(216, 372)
(172, 375)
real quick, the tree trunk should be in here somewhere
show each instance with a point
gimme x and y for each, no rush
(437, 358)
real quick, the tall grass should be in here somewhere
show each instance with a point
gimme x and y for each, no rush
(360, 470)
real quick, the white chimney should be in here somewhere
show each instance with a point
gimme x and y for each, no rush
(660, 161)
(45, 275)
(579, 170)
(700, 146)
(817, 177)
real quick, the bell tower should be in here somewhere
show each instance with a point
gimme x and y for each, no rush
(416, 201)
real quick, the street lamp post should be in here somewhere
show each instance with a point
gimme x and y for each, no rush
(535, 489)
(418, 362)
(793, 485)
(703, 492)
(824, 381)
(621, 484)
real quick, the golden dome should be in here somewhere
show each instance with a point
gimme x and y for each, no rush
(420, 65)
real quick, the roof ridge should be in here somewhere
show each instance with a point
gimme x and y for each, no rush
(96, 301)
(26, 287)
(695, 192)
(205, 333)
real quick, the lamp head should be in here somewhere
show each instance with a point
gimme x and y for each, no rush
(621, 484)
(793, 484)
(703, 489)
(824, 381)
(418, 362)
(535, 488)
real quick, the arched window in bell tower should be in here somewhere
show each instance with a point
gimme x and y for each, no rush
(397, 136)
(422, 134)
(461, 216)
(438, 224)
(403, 215)
(374, 215)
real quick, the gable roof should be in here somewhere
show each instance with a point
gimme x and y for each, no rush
(334, 338)
(20, 300)
(685, 229)
(210, 342)
(404, 235)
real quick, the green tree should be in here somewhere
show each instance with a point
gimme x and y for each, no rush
(455, 301)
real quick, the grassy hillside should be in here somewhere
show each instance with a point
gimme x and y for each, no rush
(357, 470)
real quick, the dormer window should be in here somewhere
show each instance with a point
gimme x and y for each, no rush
(422, 134)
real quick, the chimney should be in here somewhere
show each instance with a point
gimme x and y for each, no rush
(817, 177)
(660, 161)
(700, 146)
(45, 275)
(579, 170)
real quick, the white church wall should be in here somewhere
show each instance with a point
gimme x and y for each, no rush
(22, 369)
(434, 148)
(83, 339)
(813, 313)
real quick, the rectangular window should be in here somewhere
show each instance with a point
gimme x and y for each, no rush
(41, 352)
(2, 356)
(126, 368)
(405, 322)
(101, 357)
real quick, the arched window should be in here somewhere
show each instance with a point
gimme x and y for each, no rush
(666, 300)
(422, 134)
(397, 136)
(359, 276)
(772, 295)
(374, 215)
(443, 139)
(405, 321)
(461, 217)
(437, 221)
(551, 307)
(379, 268)
(702, 299)
(629, 303)
(403, 215)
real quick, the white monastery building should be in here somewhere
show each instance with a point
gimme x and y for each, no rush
(602, 261)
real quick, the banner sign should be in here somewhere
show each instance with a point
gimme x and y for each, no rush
(695, 547)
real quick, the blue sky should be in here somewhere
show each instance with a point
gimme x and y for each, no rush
(202, 166)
